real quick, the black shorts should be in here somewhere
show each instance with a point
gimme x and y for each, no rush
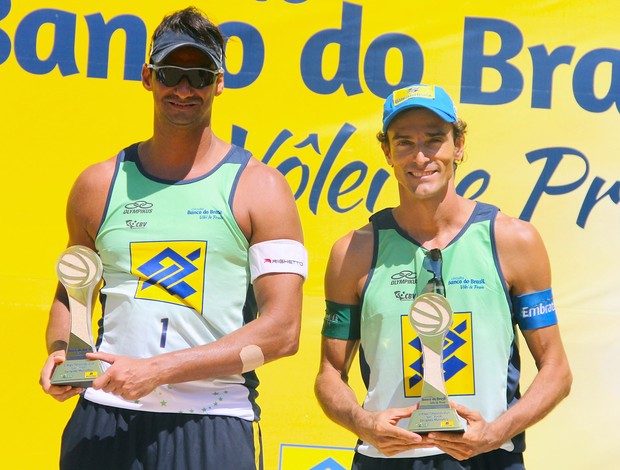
(494, 460)
(100, 437)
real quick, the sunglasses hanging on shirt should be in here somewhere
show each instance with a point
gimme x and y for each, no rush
(433, 263)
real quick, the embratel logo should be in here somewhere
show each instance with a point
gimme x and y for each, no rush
(542, 308)
(138, 207)
(457, 357)
(170, 272)
(404, 277)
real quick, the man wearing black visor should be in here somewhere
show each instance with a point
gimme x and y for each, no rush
(183, 223)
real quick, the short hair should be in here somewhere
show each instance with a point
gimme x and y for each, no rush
(459, 129)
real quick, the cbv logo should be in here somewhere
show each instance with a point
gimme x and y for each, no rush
(171, 272)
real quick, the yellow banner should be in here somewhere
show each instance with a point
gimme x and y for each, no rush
(537, 82)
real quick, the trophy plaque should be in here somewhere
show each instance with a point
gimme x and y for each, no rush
(431, 317)
(79, 269)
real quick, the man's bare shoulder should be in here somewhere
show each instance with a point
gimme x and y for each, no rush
(355, 243)
(522, 255)
(96, 176)
(349, 264)
(87, 201)
(263, 176)
(264, 204)
(514, 233)
(353, 251)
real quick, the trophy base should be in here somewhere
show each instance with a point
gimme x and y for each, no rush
(77, 373)
(427, 420)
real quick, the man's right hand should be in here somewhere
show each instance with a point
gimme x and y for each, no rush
(58, 392)
(381, 430)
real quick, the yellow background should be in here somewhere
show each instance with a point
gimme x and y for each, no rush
(53, 126)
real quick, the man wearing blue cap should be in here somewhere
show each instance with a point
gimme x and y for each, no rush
(494, 272)
(196, 238)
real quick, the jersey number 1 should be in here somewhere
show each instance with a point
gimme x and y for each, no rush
(164, 331)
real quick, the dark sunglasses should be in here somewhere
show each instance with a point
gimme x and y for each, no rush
(171, 75)
(433, 263)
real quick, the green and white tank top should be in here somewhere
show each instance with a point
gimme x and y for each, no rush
(480, 356)
(176, 276)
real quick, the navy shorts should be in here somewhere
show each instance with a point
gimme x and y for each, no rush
(494, 460)
(100, 437)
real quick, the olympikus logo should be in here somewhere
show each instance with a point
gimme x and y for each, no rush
(138, 207)
(403, 277)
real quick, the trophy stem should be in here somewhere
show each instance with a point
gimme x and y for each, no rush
(81, 319)
(431, 317)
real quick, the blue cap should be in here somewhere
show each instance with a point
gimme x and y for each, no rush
(431, 97)
(173, 40)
